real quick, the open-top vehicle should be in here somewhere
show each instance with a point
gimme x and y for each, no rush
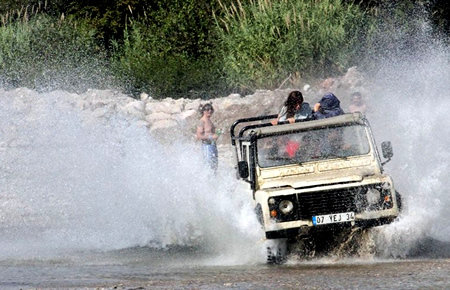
(314, 176)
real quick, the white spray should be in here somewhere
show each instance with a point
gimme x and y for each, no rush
(410, 103)
(69, 182)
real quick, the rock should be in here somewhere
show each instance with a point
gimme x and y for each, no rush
(353, 78)
(164, 106)
(135, 105)
(163, 124)
(165, 130)
(327, 84)
(306, 88)
(143, 96)
(100, 112)
(188, 115)
(192, 105)
(157, 116)
(137, 115)
(142, 123)
(82, 104)
(181, 103)
(226, 104)
(180, 117)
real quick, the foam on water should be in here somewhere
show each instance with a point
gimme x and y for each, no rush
(69, 182)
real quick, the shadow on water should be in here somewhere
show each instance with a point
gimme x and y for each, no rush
(430, 248)
(357, 246)
(361, 243)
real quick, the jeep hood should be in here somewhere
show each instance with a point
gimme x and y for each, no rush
(305, 176)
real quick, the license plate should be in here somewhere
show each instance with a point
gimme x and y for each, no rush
(333, 218)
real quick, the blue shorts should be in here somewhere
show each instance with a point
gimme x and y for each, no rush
(210, 155)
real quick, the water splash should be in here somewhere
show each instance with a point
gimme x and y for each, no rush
(70, 182)
(410, 106)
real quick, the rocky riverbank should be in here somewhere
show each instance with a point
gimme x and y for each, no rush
(169, 118)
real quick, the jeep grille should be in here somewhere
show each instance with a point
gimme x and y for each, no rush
(326, 202)
(353, 199)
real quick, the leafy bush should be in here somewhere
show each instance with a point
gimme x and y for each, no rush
(45, 52)
(264, 41)
(190, 48)
(168, 52)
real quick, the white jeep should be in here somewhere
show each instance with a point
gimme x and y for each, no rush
(314, 176)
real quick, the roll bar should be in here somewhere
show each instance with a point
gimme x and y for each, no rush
(248, 120)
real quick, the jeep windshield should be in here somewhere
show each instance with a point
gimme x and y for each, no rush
(312, 145)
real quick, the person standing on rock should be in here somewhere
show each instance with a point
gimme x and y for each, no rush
(206, 132)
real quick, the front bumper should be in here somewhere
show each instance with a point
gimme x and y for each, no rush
(370, 210)
(307, 228)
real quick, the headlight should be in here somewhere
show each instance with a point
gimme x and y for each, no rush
(286, 206)
(373, 196)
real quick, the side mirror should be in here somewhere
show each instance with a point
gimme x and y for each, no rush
(243, 169)
(386, 148)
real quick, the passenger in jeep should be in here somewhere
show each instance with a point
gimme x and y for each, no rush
(358, 104)
(309, 148)
(332, 142)
(294, 109)
(328, 106)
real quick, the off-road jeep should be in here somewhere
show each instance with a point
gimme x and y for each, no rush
(314, 175)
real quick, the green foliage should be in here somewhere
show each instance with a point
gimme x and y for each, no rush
(146, 63)
(196, 48)
(108, 17)
(168, 51)
(264, 41)
(45, 52)
(13, 6)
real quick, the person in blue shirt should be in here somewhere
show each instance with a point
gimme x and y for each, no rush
(328, 106)
(330, 141)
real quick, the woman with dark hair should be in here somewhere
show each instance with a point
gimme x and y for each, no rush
(294, 109)
(206, 132)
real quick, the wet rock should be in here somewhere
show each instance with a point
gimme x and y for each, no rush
(157, 116)
(165, 130)
(135, 109)
(180, 116)
(163, 125)
(192, 105)
(142, 123)
(188, 115)
(100, 112)
(144, 97)
(352, 79)
(163, 106)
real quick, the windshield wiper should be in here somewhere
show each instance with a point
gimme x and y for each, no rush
(336, 156)
(286, 160)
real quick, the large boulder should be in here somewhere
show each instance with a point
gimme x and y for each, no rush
(165, 106)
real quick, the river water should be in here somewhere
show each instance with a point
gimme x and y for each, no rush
(187, 269)
(100, 203)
